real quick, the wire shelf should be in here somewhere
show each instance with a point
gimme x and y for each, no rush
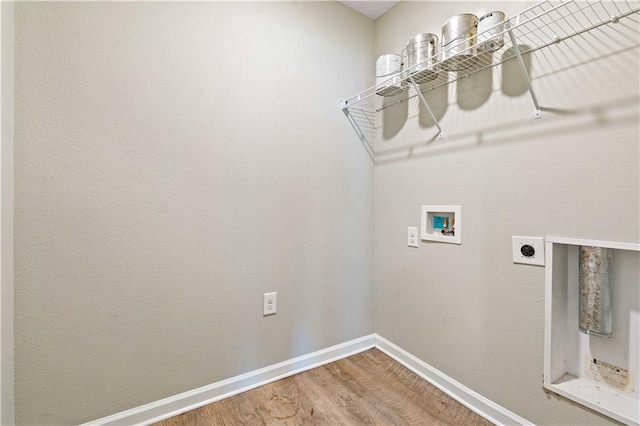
(544, 24)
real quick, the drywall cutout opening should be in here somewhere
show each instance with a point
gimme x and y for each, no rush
(596, 369)
(442, 223)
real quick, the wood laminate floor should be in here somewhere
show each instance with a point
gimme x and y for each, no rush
(364, 389)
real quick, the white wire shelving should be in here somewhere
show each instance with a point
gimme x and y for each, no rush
(544, 24)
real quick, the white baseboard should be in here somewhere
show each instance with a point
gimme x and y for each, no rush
(470, 399)
(190, 400)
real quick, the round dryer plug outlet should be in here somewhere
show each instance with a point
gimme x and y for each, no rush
(527, 250)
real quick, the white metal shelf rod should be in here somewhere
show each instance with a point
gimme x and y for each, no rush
(613, 19)
(537, 113)
(426, 104)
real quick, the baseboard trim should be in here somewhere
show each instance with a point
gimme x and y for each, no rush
(190, 400)
(470, 399)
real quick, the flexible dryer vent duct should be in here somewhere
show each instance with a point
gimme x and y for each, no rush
(595, 310)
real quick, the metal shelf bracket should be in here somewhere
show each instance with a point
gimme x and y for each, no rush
(356, 127)
(537, 113)
(426, 104)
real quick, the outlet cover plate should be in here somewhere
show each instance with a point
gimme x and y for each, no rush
(538, 250)
(412, 236)
(270, 303)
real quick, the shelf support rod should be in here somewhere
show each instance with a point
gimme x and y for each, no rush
(537, 113)
(424, 101)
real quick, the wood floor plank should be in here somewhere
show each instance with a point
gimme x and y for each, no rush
(418, 394)
(352, 400)
(395, 395)
(369, 388)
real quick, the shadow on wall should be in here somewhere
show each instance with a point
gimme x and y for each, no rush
(623, 114)
(513, 83)
(474, 91)
(394, 115)
(471, 93)
(438, 100)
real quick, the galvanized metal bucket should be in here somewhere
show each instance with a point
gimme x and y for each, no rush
(421, 52)
(459, 42)
(388, 73)
(489, 28)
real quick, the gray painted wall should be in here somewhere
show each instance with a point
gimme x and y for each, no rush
(174, 161)
(7, 29)
(468, 310)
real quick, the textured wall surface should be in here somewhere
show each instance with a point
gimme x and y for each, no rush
(174, 161)
(7, 27)
(468, 310)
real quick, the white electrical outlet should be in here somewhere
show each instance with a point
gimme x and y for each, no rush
(528, 250)
(270, 300)
(412, 236)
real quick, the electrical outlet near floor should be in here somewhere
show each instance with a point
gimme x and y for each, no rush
(528, 250)
(270, 300)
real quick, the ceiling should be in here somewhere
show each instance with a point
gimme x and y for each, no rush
(372, 9)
